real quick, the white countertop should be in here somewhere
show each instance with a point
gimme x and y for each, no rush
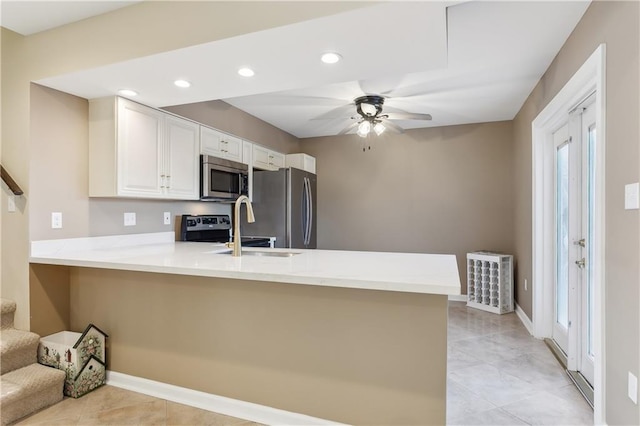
(404, 272)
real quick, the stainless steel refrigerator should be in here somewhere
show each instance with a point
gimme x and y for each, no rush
(284, 204)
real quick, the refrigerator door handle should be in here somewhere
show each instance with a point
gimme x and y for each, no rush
(306, 211)
(310, 221)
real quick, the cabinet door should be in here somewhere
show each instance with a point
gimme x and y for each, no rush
(210, 142)
(231, 148)
(276, 160)
(139, 150)
(266, 159)
(182, 159)
(301, 161)
(260, 157)
(247, 153)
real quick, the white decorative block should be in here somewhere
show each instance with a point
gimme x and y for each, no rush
(490, 282)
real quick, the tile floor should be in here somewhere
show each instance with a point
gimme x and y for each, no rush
(498, 375)
(109, 405)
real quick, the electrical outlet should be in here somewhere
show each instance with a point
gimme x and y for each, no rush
(633, 388)
(525, 285)
(129, 219)
(167, 218)
(56, 220)
(11, 203)
(632, 196)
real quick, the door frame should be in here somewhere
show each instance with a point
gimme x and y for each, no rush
(588, 79)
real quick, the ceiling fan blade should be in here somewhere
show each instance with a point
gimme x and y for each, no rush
(343, 111)
(406, 116)
(380, 86)
(392, 126)
(349, 128)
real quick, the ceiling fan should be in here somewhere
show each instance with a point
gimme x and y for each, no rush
(371, 117)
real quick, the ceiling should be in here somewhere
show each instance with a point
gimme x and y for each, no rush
(28, 17)
(461, 62)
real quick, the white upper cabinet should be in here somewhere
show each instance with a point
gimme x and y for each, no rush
(138, 151)
(266, 159)
(301, 161)
(220, 144)
(182, 164)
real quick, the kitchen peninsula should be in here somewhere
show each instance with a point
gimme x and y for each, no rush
(352, 337)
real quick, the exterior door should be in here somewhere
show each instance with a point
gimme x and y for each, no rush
(574, 192)
(563, 269)
(587, 257)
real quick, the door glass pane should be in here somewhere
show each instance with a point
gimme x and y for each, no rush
(562, 235)
(591, 144)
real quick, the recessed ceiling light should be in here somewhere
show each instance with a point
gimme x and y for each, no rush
(331, 58)
(127, 92)
(182, 83)
(246, 72)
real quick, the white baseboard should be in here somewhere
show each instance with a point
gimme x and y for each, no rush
(206, 401)
(524, 319)
(458, 297)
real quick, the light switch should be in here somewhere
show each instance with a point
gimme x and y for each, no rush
(129, 219)
(11, 203)
(633, 388)
(632, 196)
(167, 218)
(56, 220)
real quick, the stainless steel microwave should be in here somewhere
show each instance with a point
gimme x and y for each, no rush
(222, 180)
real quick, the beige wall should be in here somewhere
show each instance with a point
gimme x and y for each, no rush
(437, 190)
(326, 352)
(49, 299)
(15, 158)
(222, 116)
(617, 25)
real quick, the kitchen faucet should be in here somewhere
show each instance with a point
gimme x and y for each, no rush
(237, 243)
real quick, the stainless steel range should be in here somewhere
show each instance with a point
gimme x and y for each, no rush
(215, 228)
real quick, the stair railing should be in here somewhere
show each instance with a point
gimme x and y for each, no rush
(13, 186)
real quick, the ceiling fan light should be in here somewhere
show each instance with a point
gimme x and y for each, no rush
(379, 128)
(364, 128)
(368, 109)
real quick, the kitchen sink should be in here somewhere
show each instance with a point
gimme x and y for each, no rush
(270, 253)
(267, 253)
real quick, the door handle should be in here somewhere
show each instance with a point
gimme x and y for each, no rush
(305, 211)
(580, 263)
(580, 242)
(310, 211)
